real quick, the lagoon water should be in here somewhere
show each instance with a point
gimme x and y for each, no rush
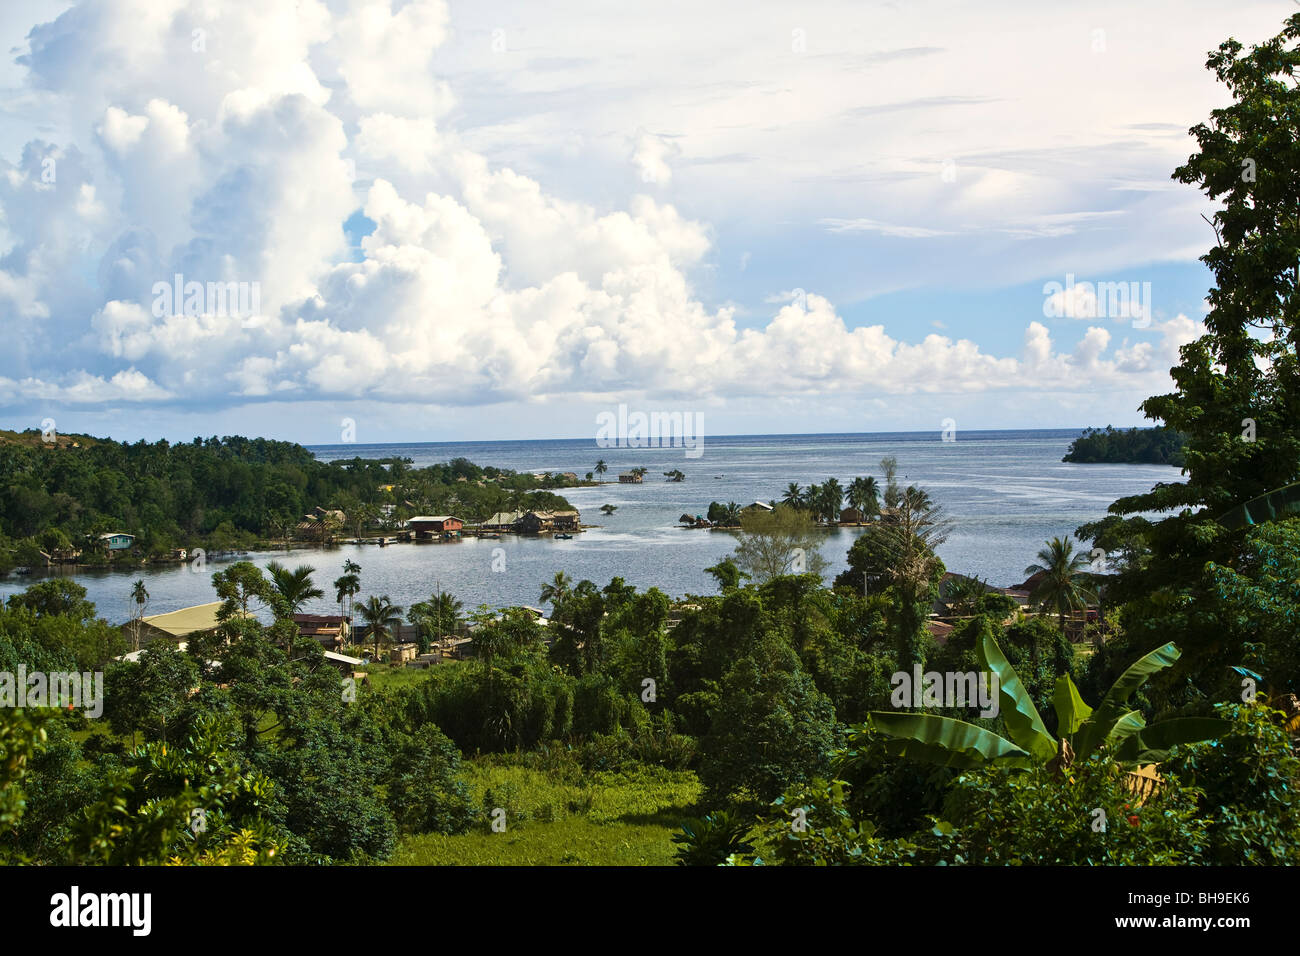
(1006, 491)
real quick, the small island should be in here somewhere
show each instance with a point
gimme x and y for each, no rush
(1137, 446)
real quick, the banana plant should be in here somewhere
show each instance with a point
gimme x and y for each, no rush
(956, 743)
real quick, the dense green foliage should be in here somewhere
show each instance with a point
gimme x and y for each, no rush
(224, 493)
(1137, 446)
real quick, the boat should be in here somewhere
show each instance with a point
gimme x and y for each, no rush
(490, 537)
(564, 537)
(717, 476)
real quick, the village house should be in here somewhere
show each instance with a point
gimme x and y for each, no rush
(539, 522)
(426, 526)
(175, 626)
(502, 521)
(852, 515)
(320, 523)
(331, 631)
(347, 666)
(629, 478)
(116, 541)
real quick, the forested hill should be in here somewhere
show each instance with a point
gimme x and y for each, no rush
(222, 492)
(1137, 446)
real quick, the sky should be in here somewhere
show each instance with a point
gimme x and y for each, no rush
(323, 220)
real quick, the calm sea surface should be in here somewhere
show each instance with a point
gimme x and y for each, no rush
(1006, 491)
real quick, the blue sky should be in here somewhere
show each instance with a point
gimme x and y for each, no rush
(494, 220)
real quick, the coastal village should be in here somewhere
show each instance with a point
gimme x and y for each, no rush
(405, 646)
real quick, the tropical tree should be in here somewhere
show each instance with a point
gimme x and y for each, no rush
(601, 467)
(347, 586)
(812, 500)
(1081, 730)
(731, 514)
(608, 510)
(435, 616)
(290, 591)
(381, 616)
(832, 499)
(1065, 582)
(295, 588)
(897, 554)
(727, 573)
(793, 495)
(1237, 387)
(864, 494)
(964, 593)
(140, 595)
(239, 586)
(557, 590)
(778, 542)
(893, 493)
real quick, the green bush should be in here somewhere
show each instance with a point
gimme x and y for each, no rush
(1248, 779)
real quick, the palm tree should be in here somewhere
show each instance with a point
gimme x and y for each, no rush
(601, 467)
(793, 495)
(557, 590)
(608, 510)
(347, 586)
(381, 616)
(440, 612)
(294, 587)
(140, 595)
(732, 513)
(832, 499)
(812, 500)
(1064, 585)
(864, 494)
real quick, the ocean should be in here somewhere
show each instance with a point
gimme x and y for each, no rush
(1007, 493)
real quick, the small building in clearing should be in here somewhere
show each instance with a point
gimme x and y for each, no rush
(629, 478)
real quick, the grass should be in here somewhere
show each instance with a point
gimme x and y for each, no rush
(383, 677)
(563, 817)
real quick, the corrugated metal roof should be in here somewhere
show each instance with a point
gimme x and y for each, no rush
(201, 617)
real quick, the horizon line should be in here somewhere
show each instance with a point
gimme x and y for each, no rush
(497, 441)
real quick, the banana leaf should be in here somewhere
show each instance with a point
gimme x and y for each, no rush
(1267, 507)
(1137, 673)
(945, 741)
(1071, 711)
(1024, 726)
(1111, 709)
(1125, 727)
(1152, 744)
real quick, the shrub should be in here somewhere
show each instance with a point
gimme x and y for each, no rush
(1248, 778)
